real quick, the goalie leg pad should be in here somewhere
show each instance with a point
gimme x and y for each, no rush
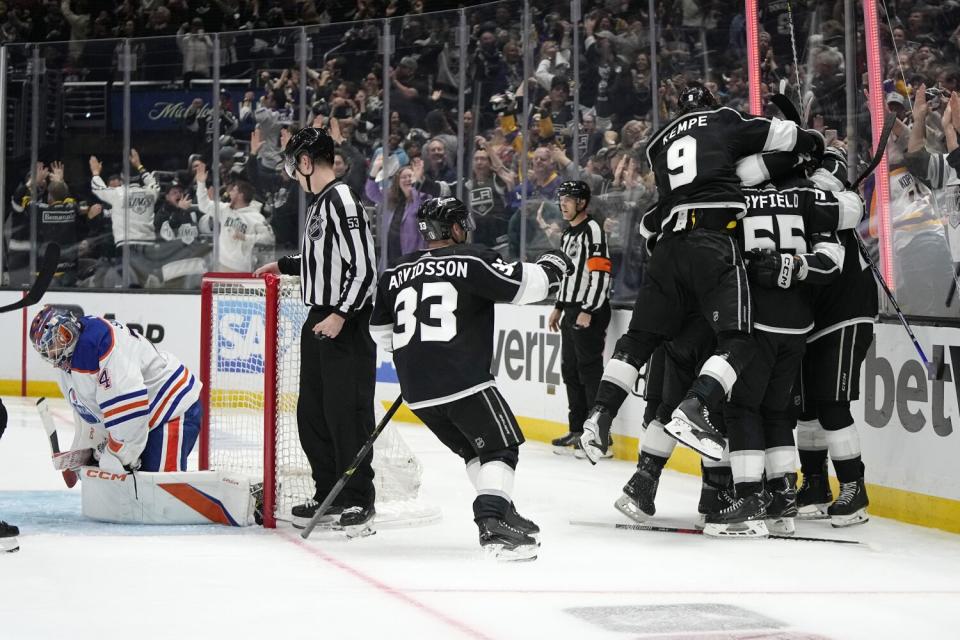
(184, 497)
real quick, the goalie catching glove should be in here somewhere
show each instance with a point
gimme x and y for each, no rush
(596, 434)
(772, 270)
(556, 264)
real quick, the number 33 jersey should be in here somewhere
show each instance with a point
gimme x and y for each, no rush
(435, 312)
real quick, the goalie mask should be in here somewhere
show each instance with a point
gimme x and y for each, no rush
(436, 217)
(54, 334)
(312, 141)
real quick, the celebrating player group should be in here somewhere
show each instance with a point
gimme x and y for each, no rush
(755, 312)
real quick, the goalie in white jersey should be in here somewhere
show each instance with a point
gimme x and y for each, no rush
(140, 412)
(145, 400)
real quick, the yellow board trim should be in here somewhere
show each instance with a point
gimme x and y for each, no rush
(885, 502)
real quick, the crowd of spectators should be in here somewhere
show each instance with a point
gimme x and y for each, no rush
(512, 198)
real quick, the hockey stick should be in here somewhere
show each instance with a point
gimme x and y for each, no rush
(698, 532)
(43, 409)
(787, 108)
(364, 450)
(889, 122)
(51, 259)
(934, 369)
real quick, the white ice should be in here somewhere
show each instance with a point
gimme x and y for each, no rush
(75, 579)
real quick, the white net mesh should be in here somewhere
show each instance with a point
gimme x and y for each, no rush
(238, 370)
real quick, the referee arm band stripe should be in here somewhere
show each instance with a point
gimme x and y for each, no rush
(599, 264)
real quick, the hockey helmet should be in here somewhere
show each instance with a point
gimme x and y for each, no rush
(313, 141)
(436, 217)
(54, 333)
(834, 162)
(696, 96)
(577, 189)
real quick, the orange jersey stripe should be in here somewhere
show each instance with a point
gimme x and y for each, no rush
(158, 412)
(173, 446)
(115, 445)
(599, 264)
(126, 407)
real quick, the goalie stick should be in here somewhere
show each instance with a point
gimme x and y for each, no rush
(337, 488)
(69, 476)
(51, 258)
(699, 532)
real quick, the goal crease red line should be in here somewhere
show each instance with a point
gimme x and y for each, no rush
(385, 588)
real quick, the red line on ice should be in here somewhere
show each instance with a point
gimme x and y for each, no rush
(386, 589)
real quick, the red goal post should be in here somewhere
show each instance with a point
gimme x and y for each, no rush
(250, 366)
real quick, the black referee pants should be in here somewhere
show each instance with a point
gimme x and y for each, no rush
(335, 410)
(581, 361)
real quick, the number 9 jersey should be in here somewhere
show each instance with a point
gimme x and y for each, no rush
(694, 159)
(435, 312)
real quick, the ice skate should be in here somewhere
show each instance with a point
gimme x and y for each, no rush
(783, 505)
(637, 501)
(814, 496)
(302, 513)
(851, 506)
(690, 424)
(357, 521)
(567, 445)
(744, 518)
(713, 500)
(501, 541)
(517, 521)
(8, 538)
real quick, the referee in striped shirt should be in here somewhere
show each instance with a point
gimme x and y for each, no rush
(337, 269)
(582, 312)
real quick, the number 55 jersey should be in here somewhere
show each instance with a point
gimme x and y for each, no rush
(435, 312)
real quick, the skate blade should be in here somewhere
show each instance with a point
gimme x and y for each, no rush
(857, 517)
(701, 522)
(695, 438)
(326, 522)
(9, 545)
(813, 512)
(781, 526)
(629, 508)
(748, 529)
(521, 553)
(358, 531)
(567, 451)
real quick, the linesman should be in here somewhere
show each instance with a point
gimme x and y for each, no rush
(338, 271)
(582, 312)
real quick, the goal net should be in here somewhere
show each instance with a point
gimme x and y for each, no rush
(250, 369)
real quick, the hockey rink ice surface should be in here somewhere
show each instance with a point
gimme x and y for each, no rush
(74, 578)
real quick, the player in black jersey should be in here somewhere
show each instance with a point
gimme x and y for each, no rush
(844, 313)
(696, 266)
(789, 235)
(435, 312)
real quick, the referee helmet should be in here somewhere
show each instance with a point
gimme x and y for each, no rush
(312, 141)
(577, 189)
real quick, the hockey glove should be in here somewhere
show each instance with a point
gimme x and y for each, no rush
(772, 270)
(596, 433)
(557, 264)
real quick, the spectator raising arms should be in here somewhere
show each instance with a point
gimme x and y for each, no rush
(242, 226)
